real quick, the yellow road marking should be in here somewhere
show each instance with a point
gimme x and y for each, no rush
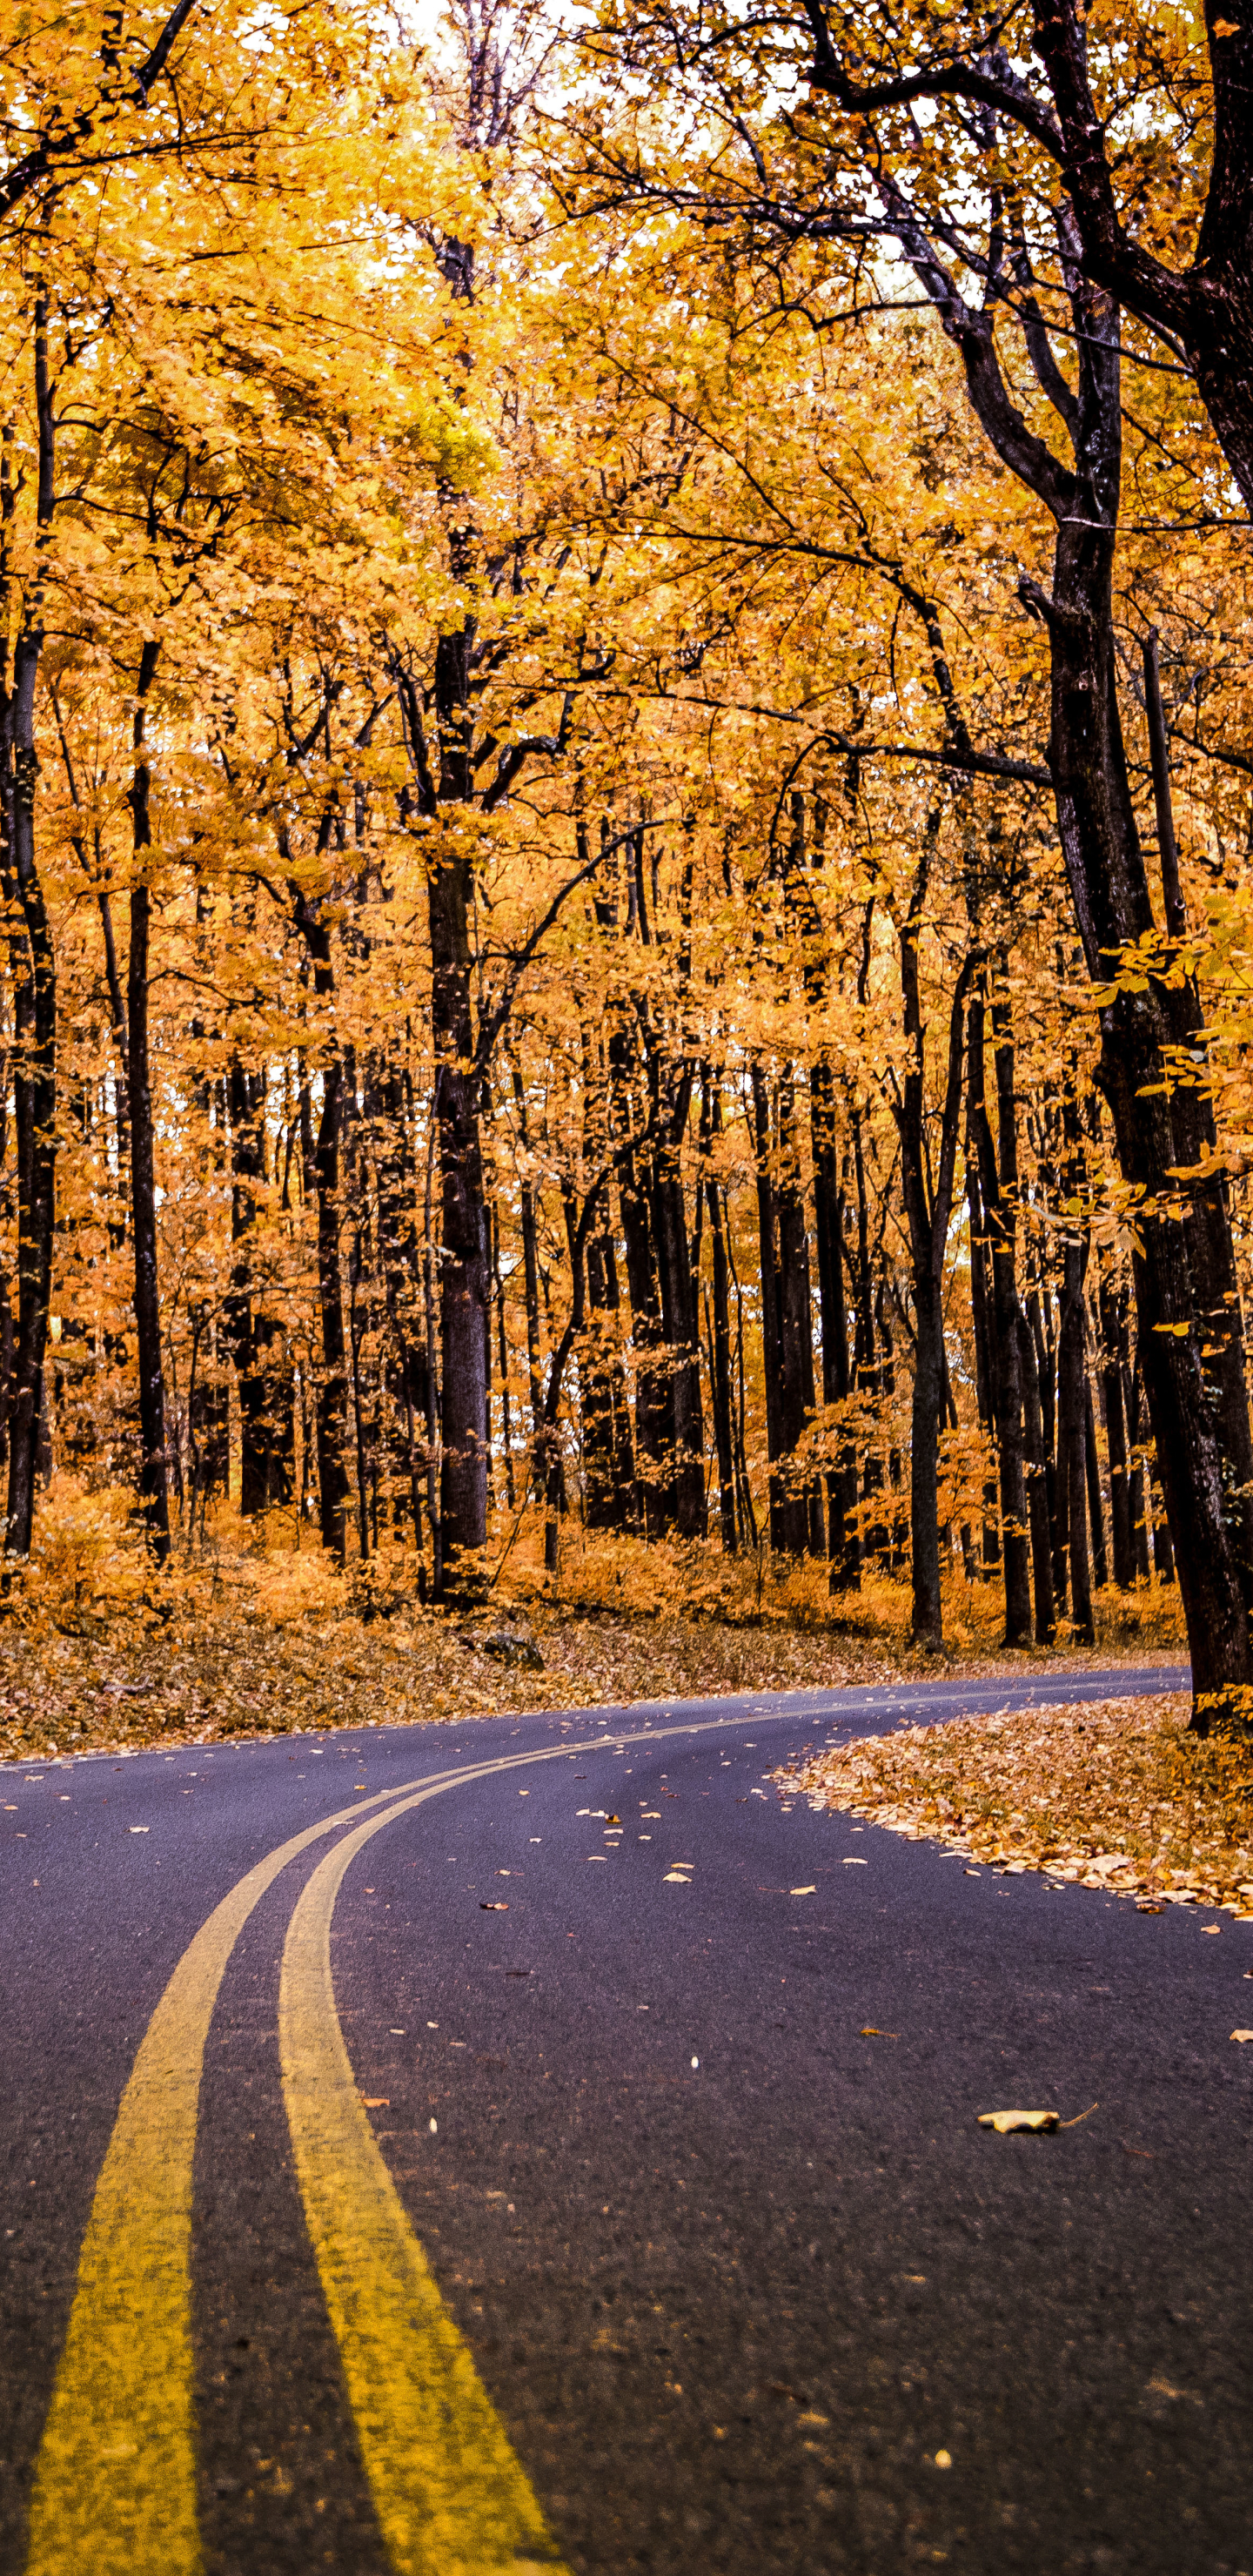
(451, 2496)
(115, 2481)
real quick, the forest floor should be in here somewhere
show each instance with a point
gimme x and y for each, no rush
(1115, 1794)
(248, 1634)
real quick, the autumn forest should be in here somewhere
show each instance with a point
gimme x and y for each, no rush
(626, 803)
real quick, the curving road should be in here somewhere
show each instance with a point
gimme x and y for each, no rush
(522, 2145)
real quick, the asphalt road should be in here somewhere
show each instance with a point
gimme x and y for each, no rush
(744, 2287)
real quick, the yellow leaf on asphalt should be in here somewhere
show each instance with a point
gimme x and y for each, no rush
(376, 2101)
(1005, 2122)
(1242, 2034)
(802, 1891)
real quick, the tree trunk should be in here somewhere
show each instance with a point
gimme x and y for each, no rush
(1116, 1434)
(1187, 1296)
(836, 1376)
(1096, 1518)
(1071, 1444)
(999, 1190)
(787, 1520)
(928, 1208)
(653, 1417)
(980, 1308)
(680, 1323)
(35, 997)
(153, 1485)
(1037, 1487)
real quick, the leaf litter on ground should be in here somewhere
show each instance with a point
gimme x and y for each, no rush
(1114, 1794)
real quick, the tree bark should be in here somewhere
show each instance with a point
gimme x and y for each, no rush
(829, 1217)
(1037, 1487)
(35, 996)
(1096, 1517)
(153, 1475)
(999, 1191)
(1116, 1433)
(1071, 1443)
(928, 1210)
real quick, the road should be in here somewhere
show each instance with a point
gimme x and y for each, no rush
(522, 2172)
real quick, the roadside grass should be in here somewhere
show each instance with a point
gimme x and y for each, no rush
(1114, 1794)
(249, 1633)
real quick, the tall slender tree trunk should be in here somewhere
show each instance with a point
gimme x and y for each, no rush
(829, 1216)
(981, 1308)
(928, 1208)
(1115, 1433)
(789, 1520)
(322, 1183)
(1096, 1516)
(153, 1474)
(35, 997)
(1071, 1436)
(679, 1320)
(999, 1183)
(1037, 1487)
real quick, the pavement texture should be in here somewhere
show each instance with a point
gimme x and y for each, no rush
(679, 2089)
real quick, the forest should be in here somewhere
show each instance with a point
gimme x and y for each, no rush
(626, 799)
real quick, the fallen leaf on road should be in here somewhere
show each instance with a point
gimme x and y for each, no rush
(1006, 2122)
(850, 1861)
(871, 2033)
(485, 1907)
(675, 1878)
(375, 2102)
(1242, 2034)
(139, 1829)
(802, 1891)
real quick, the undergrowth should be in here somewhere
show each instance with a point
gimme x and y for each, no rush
(250, 1633)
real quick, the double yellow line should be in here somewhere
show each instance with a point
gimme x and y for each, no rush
(115, 2481)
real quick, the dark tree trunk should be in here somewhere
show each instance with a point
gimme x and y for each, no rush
(1133, 1398)
(680, 1322)
(981, 1307)
(1071, 1442)
(653, 1414)
(796, 1315)
(720, 1369)
(829, 1214)
(153, 1484)
(1187, 1291)
(1096, 1517)
(322, 1183)
(928, 1210)
(1000, 1190)
(1116, 1434)
(1037, 1487)
(264, 1475)
(609, 1462)
(789, 1519)
(34, 1000)
(1163, 1552)
(332, 1405)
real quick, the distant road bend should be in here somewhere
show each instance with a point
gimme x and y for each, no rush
(523, 2145)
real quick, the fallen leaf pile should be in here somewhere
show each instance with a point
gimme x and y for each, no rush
(1113, 1794)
